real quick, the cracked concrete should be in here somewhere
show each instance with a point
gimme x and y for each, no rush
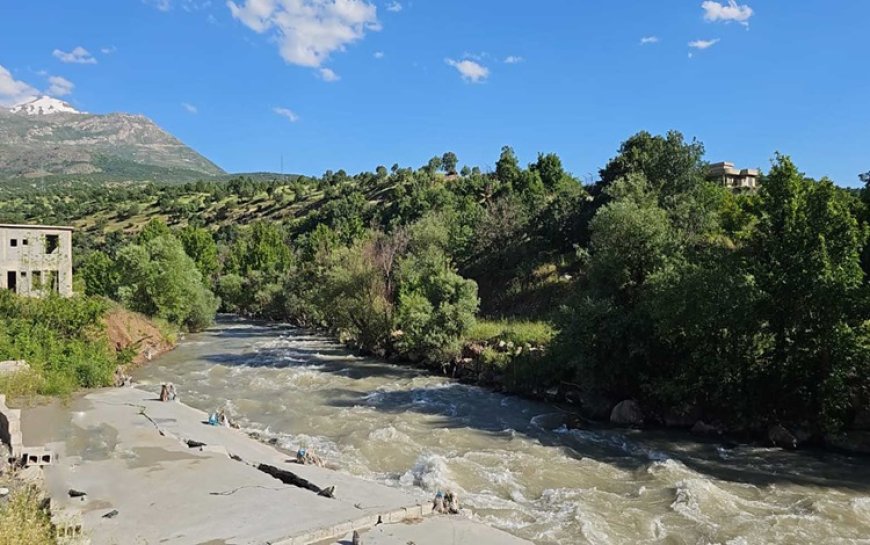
(129, 452)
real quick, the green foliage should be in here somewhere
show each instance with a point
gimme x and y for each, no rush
(159, 279)
(99, 274)
(436, 306)
(63, 341)
(201, 247)
(519, 332)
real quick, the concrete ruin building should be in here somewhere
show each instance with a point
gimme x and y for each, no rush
(36, 259)
(733, 178)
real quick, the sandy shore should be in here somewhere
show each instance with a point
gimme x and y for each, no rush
(143, 484)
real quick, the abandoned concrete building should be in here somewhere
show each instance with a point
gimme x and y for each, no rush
(36, 259)
(733, 178)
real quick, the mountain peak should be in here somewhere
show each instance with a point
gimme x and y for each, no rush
(44, 105)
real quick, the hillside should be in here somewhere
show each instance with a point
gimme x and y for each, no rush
(47, 138)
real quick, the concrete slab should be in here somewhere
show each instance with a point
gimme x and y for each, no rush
(436, 531)
(125, 450)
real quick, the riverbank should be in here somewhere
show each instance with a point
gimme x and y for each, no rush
(156, 472)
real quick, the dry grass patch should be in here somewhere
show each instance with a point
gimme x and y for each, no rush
(23, 521)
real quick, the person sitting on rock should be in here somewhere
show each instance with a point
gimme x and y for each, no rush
(171, 392)
(438, 503)
(164, 392)
(451, 502)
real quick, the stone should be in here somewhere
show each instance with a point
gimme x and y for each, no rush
(13, 366)
(702, 428)
(781, 437)
(627, 413)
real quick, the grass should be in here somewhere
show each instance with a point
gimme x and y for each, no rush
(519, 332)
(23, 521)
(22, 386)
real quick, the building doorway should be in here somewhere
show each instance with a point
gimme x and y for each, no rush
(12, 281)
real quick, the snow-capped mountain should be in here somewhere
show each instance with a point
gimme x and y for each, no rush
(47, 136)
(44, 105)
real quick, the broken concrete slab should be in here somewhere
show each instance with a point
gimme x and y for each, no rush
(455, 530)
(127, 452)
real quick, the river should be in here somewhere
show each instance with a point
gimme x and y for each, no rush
(513, 461)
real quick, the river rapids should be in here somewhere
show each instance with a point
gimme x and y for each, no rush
(513, 462)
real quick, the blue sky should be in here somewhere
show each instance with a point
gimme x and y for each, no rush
(352, 84)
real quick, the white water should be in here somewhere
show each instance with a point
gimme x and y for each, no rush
(514, 462)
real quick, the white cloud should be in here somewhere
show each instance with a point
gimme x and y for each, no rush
(308, 31)
(162, 5)
(395, 7)
(379, 54)
(470, 70)
(646, 40)
(703, 44)
(285, 112)
(59, 86)
(714, 11)
(328, 75)
(190, 108)
(108, 50)
(12, 91)
(79, 55)
(513, 59)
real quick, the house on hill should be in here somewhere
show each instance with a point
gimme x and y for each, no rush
(733, 178)
(36, 259)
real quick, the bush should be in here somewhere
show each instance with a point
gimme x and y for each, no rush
(63, 341)
(23, 521)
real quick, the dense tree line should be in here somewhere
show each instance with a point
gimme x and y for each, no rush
(742, 308)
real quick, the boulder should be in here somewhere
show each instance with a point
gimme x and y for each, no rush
(781, 437)
(702, 428)
(627, 413)
(685, 417)
(13, 366)
(854, 442)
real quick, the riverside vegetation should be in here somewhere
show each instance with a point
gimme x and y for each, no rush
(652, 284)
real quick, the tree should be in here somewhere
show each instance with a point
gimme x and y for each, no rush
(549, 168)
(200, 246)
(99, 274)
(669, 163)
(449, 162)
(507, 169)
(153, 229)
(433, 165)
(159, 279)
(806, 261)
(435, 306)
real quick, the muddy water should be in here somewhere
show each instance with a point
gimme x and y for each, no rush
(514, 462)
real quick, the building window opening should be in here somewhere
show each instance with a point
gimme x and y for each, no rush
(52, 243)
(13, 242)
(24, 242)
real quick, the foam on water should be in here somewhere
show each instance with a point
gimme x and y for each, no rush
(514, 463)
